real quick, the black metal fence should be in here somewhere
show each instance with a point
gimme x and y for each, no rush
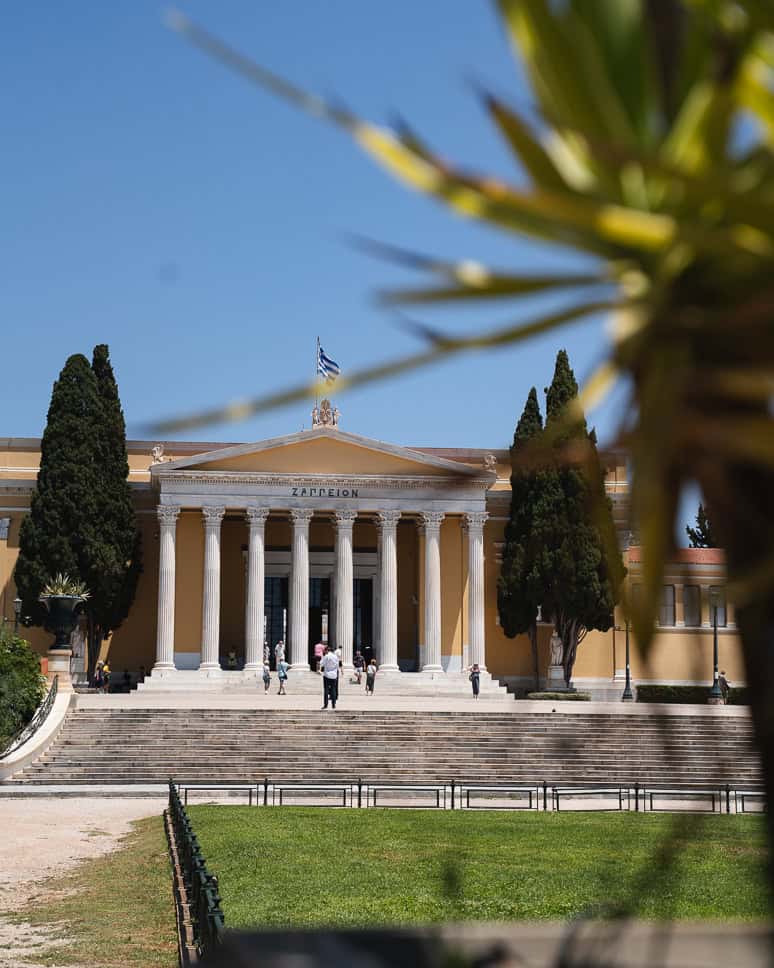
(201, 886)
(41, 715)
(462, 795)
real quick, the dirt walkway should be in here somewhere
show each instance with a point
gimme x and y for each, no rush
(45, 837)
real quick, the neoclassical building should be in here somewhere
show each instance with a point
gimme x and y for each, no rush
(325, 535)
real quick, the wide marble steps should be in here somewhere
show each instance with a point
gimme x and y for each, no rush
(104, 746)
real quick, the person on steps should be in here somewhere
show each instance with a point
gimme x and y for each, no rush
(370, 677)
(266, 675)
(329, 667)
(475, 679)
(282, 675)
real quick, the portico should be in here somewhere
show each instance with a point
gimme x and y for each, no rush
(360, 499)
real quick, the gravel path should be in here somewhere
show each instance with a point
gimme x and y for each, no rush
(42, 838)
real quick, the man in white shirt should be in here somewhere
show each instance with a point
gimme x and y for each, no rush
(330, 676)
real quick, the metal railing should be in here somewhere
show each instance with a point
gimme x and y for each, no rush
(201, 886)
(41, 715)
(463, 795)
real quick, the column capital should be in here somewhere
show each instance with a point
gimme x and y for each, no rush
(388, 520)
(213, 515)
(301, 516)
(256, 517)
(167, 515)
(475, 520)
(345, 520)
(431, 520)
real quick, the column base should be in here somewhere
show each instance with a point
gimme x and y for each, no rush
(432, 668)
(391, 667)
(253, 668)
(211, 670)
(300, 667)
(163, 669)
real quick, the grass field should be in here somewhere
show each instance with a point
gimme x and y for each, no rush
(306, 866)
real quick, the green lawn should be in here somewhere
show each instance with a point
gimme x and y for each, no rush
(307, 866)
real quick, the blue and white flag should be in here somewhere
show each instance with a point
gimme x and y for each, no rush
(327, 368)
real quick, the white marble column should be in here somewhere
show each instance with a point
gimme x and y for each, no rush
(431, 522)
(299, 589)
(254, 618)
(376, 599)
(345, 521)
(165, 624)
(388, 592)
(474, 525)
(210, 659)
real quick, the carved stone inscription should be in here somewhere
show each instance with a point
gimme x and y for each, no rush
(324, 492)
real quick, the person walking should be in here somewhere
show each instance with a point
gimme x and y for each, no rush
(279, 653)
(106, 678)
(475, 679)
(282, 675)
(98, 677)
(359, 665)
(370, 677)
(266, 676)
(724, 686)
(319, 650)
(330, 673)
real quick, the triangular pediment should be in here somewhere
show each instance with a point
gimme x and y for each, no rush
(322, 451)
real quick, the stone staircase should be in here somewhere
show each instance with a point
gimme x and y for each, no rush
(112, 746)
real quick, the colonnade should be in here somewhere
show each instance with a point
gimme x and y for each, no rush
(386, 617)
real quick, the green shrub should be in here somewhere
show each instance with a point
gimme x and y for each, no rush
(22, 687)
(687, 694)
(560, 696)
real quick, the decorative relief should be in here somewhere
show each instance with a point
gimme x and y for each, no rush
(5, 527)
(490, 463)
(213, 515)
(157, 454)
(275, 480)
(256, 516)
(301, 515)
(431, 520)
(167, 515)
(325, 415)
(475, 520)
(345, 519)
(388, 520)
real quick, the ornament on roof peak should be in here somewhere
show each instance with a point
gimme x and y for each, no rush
(325, 415)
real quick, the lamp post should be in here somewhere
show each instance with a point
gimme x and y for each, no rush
(17, 606)
(715, 696)
(627, 693)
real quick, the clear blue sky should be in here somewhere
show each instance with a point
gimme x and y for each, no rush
(154, 201)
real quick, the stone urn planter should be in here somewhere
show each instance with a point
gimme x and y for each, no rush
(61, 617)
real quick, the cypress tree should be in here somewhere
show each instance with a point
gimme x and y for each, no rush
(701, 536)
(518, 593)
(581, 567)
(58, 533)
(115, 556)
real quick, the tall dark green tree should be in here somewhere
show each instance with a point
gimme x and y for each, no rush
(518, 591)
(116, 555)
(59, 532)
(581, 567)
(701, 536)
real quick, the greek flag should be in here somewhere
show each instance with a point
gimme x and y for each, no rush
(327, 368)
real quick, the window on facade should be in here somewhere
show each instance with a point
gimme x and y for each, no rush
(666, 609)
(692, 605)
(717, 595)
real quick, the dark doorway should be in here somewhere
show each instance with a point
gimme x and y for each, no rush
(275, 590)
(364, 612)
(319, 603)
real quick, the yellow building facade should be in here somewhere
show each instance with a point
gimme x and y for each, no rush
(325, 535)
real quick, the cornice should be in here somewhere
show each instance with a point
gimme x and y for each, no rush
(212, 478)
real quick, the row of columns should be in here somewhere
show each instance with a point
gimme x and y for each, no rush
(387, 613)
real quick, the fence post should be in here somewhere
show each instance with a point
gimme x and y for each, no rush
(728, 798)
(452, 791)
(636, 797)
(545, 796)
(266, 791)
(359, 792)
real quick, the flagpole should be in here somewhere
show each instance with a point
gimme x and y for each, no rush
(316, 375)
